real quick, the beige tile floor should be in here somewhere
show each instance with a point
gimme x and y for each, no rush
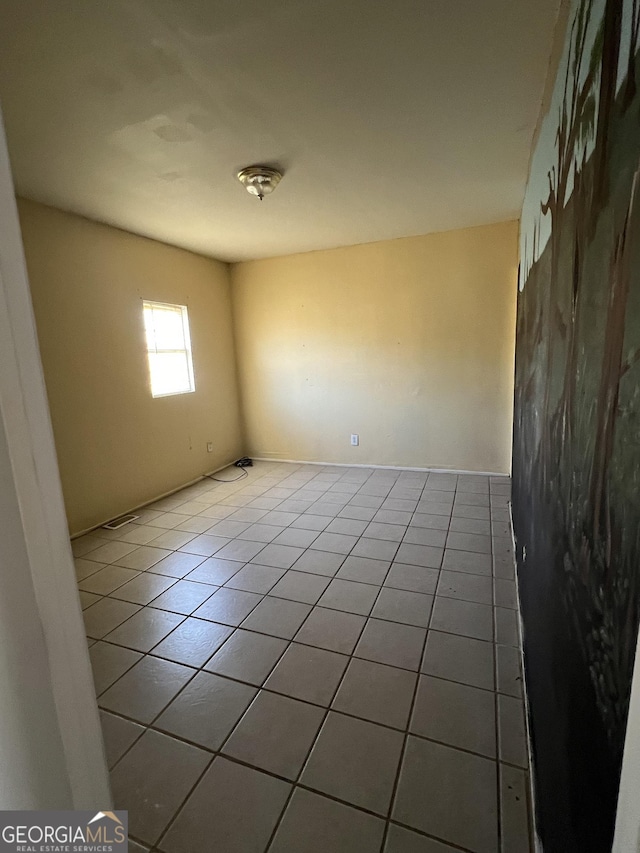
(313, 660)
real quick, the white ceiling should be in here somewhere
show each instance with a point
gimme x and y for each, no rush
(389, 117)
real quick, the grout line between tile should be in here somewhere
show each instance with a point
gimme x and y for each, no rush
(315, 739)
(396, 784)
(321, 493)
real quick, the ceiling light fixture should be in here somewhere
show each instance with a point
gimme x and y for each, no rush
(259, 180)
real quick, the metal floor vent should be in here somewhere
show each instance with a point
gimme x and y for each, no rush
(117, 523)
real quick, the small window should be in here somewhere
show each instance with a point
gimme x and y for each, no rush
(168, 348)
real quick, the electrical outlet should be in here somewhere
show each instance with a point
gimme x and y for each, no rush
(355, 439)
(209, 447)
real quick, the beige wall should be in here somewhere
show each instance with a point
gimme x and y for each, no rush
(117, 446)
(407, 342)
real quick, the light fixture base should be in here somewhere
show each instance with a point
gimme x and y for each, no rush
(259, 180)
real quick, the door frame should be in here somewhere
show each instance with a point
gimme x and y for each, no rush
(48, 588)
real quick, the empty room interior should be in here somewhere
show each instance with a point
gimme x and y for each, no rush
(319, 406)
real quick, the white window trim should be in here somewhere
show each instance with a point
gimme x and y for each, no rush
(151, 303)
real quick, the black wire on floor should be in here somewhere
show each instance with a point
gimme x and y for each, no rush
(243, 474)
(243, 463)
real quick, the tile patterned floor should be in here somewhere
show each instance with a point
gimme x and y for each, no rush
(313, 659)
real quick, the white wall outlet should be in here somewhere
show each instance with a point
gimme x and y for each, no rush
(209, 447)
(355, 439)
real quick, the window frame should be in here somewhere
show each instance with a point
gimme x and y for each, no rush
(187, 350)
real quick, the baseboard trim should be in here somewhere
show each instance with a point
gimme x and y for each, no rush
(153, 500)
(382, 467)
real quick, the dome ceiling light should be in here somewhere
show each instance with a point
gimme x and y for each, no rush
(259, 180)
